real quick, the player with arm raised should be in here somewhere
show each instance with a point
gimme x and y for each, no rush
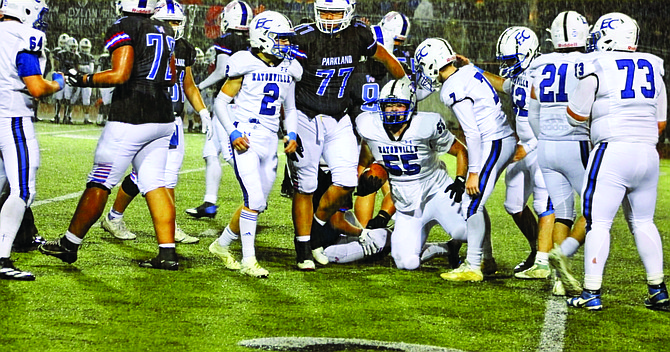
(330, 50)
(184, 88)
(140, 125)
(235, 20)
(623, 95)
(489, 138)
(22, 60)
(261, 81)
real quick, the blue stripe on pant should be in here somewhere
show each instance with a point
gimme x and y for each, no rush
(591, 182)
(22, 157)
(584, 147)
(245, 194)
(485, 174)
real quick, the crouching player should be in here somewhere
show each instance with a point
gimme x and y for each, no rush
(410, 143)
(260, 81)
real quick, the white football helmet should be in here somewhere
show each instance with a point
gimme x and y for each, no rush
(62, 40)
(264, 31)
(397, 91)
(169, 11)
(72, 45)
(28, 12)
(347, 7)
(569, 30)
(431, 56)
(396, 23)
(516, 48)
(614, 31)
(236, 15)
(146, 7)
(85, 46)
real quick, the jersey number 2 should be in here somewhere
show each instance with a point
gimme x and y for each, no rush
(271, 92)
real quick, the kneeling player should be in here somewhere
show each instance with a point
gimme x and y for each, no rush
(409, 143)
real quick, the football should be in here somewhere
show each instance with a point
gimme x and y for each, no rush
(372, 179)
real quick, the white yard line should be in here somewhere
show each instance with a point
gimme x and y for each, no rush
(553, 331)
(78, 194)
(68, 131)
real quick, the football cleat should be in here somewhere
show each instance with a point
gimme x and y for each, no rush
(526, 264)
(489, 266)
(157, 263)
(55, 249)
(657, 299)
(204, 210)
(537, 271)
(9, 272)
(559, 262)
(464, 273)
(117, 228)
(433, 250)
(306, 265)
(181, 236)
(319, 256)
(588, 299)
(222, 252)
(251, 267)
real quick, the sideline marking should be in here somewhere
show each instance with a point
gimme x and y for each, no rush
(78, 194)
(68, 131)
(335, 344)
(553, 331)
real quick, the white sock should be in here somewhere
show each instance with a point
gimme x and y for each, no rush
(476, 233)
(114, 215)
(542, 258)
(73, 238)
(167, 245)
(319, 221)
(227, 237)
(570, 246)
(248, 232)
(11, 216)
(212, 178)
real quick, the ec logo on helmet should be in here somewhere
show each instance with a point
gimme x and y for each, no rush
(261, 23)
(420, 55)
(607, 23)
(521, 37)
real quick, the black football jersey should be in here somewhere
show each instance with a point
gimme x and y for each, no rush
(330, 63)
(144, 98)
(229, 43)
(184, 54)
(86, 59)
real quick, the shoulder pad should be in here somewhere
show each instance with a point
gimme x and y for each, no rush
(584, 68)
(33, 41)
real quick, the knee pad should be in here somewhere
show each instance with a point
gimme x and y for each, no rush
(130, 187)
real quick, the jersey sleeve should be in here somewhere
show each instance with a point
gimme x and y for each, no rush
(295, 70)
(442, 139)
(117, 36)
(222, 46)
(238, 65)
(366, 39)
(33, 42)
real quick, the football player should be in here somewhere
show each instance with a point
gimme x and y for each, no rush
(56, 57)
(623, 95)
(22, 62)
(490, 139)
(261, 81)
(517, 48)
(86, 65)
(235, 20)
(183, 89)
(330, 50)
(140, 126)
(562, 149)
(104, 63)
(410, 143)
(69, 60)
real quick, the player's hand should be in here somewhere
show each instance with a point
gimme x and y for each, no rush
(58, 78)
(239, 141)
(457, 188)
(368, 185)
(74, 78)
(519, 154)
(380, 221)
(206, 121)
(368, 244)
(462, 60)
(472, 184)
(299, 150)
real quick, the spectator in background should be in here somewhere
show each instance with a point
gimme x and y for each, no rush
(424, 12)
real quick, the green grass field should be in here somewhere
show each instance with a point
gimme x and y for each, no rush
(105, 302)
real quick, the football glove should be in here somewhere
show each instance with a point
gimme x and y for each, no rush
(457, 188)
(380, 221)
(76, 79)
(206, 123)
(299, 152)
(368, 244)
(368, 185)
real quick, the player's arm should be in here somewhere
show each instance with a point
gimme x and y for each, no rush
(219, 72)
(122, 67)
(498, 82)
(662, 110)
(389, 61)
(581, 101)
(192, 92)
(290, 120)
(466, 117)
(534, 112)
(461, 153)
(29, 70)
(229, 90)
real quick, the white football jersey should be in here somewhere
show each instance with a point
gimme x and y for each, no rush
(489, 121)
(15, 101)
(264, 87)
(554, 82)
(415, 169)
(627, 97)
(519, 91)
